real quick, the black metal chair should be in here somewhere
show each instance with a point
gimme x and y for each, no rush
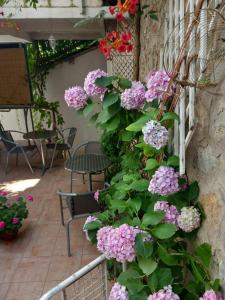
(92, 147)
(65, 143)
(79, 205)
(12, 147)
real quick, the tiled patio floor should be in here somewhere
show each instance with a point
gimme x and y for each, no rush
(37, 259)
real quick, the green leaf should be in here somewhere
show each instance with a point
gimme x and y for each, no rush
(135, 204)
(151, 164)
(128, 178)
(192, 192)
(147, 265)
(139, 124)
(131, 279)
(153, 16)
(204, 252)
(153, 218)
(93, 225)
(110, 99)
(196, 272)
(127, 136)
(166, 257)
(125, 83)
(88, 108)
(140, 185)
(173, 161)
(94, 118)
(143, 249)
(153, 282)
(164, 276)
(169, 116)
(113, 124)
(140, 296)
(119, 205)
(104, 81)
(164, 231)
(103, 116)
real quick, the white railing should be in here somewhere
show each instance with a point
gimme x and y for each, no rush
(175, 22)
(90, 282)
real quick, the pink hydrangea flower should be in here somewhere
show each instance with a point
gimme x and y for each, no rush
(164, 294)
(30, 198)
(3, 193)
(118, 292)
(15, 221)
(155, 134)
(76, 97)
(211, 295)
(96, 195)
(133, 98)
(118, 242)
(189, 219)
(89, 84)
(2, 225)
(157, 84)
(164, 182)
(171, 212)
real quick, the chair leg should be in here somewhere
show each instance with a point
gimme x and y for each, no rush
(17, 154)
(61, 211)
(27, 160)
(68, 236)
(7, 162)
(53, 157)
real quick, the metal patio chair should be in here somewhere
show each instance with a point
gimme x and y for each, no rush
(65, 143)
(92, 147)
(12, 147)
(79, 205)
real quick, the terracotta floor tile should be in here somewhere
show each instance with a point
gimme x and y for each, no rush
(3, 290)
(31, 269)
(24, 291)
(8, 265)
(63, 266)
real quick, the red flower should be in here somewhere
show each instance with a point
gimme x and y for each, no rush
(129, 48)
(102, 43)
(112, 10)
(134, 2)
(121, 48)
(119, 17)
(115, 34)
(126, 36)
(133, 9)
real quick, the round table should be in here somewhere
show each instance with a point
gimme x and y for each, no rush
(41, 136)
(87, 164)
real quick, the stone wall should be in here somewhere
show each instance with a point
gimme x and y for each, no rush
(206, 153)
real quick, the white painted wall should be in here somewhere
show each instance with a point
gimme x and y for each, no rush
(62, 77)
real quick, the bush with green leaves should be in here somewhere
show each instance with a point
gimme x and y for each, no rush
(159, 206)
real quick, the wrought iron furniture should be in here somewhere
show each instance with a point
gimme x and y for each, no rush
(79, 205)
(65, 143)
(88, 159)
(12, 147)
(41, 136)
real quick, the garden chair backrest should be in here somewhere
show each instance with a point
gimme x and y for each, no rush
(71, 136)
(7, 138)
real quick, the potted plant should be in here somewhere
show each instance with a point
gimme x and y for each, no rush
(13, 210)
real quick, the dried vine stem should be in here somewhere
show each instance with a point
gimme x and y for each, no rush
(179, 61)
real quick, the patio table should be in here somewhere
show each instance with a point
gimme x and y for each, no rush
(87, 164)
(41, 136)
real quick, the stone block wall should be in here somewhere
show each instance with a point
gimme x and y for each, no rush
(206, 153)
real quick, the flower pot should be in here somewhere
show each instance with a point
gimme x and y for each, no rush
(9, 235)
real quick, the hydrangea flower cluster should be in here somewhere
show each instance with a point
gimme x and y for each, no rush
(189, 219)
(89, 84)
(211, 295)
(155, 134)
(76, 97)
(157, 84)
(164, 294)
(15, 221)
(96, 195)
(133, 98)
(118, 292)
(118, 242)
(164, 182)
(89, 219)
(2, 225)
(171, 212)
